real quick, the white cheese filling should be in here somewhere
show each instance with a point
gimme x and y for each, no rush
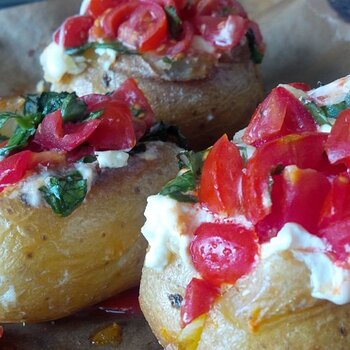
(112, 159)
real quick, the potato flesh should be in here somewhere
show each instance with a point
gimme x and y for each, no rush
(271, 308)
(52, 266)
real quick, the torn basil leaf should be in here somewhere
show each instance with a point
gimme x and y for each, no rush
(192, 161)
(174, 22)
(318, 114)
(333, 111)
(31, 104)
(88, 159)
(115, 45)
(95, 115)
(178, 187)
(51, 101)
(73, 109)
(255, 54)
(64, 194)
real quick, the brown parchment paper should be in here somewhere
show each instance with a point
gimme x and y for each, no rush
(306, 41)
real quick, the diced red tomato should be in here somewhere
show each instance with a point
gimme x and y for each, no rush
(221, 176)
(97, 7)
(74, 31)
(146, 28)
(130, 93)
(337, 204)
(298, 196)
(220, 8)
(115, 130)
(184, 42)
(223, 33)
(279, 114)
(338, 144)
(199, 297)
(222, 253)
(337, 235)
(300, 86)
(123, 303)
(78, 153)
(93, 99)
(14, 168)
(48, 158)
(53, 135)
(303, 150)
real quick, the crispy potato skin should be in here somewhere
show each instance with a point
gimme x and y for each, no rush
(52, 266)
(204, 109)
(269, 309)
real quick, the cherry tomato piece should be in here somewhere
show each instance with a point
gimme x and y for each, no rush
(338, 144)
(93, 99)
(220, 8)
(52, 134)
(221, 176)
(115, 130)
(74, 31)
(146, 28)
(184, 42)
(223, 33)
(304, 150)
(14, 168)
(279, 114)
(97, 7)
(298, 196)
(222, 253)
(199, 297)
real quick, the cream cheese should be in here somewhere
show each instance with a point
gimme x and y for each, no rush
(112, 159)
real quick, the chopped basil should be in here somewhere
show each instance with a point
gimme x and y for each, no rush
(88, 159)
(72, 108)
(167, 60)
(166, 133)
(115, 45)
(318, 114)
(50, 102)
(178, 187)
(255, 54)
(191, 164)
(244, 153)
(174, 22)
(333, 111)
(65, 194)
(95, 115)
(31, 104)
(137, 112)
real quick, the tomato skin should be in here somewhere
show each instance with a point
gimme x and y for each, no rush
(115, 130)
(221, 175)
(219, 8)
(222, 253)
(279, 114)
(93, 99)
(223, 33)
(14, 168)
(53, 135)
(298, 196)
(300, 86)
(304, 150)
(97, 7)
(146, 28)
(74, 31)
(199, 297)
(184, 42)
(338, 144)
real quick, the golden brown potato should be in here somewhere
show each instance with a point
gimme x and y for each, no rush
(204, 109)
(269, 309)
(52, 266)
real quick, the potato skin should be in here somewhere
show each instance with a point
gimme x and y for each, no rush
(203, 109)
(269, 309)
(52, 266)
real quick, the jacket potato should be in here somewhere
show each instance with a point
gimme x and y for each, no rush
(72, 199)
(199, 71)
(252, 251)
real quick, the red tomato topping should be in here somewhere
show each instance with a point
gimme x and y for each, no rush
(221, 175)
(303, 150)
(115, 129)
(97, 7)
(184, 42)
(223, 32)
(298, 196)
(74, 31)
(338, 144)
(14, 168)
(48, 158)
(279, 114)
(300, 86)
(222, 253)
(337, 235)
(123, 303)
(220, 8)
(199, 297)
(52, 134)
(93, 99)
(146, 28)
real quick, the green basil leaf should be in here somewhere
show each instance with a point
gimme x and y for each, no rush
(31, 104)
(51, 101)
(18, 140)
(174, 22)
(95, 115)
(137, 112)
(73, 109)
(192, 161)
(318, 113)
(65, 194)
(115, 45)
(6, 116)
(167, 60)
(255, 55)
(88, 159)
(333, 111)
(177, 187)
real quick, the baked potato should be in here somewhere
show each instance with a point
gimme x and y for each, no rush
(191, 79)
(252, 248)
(71, 211)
